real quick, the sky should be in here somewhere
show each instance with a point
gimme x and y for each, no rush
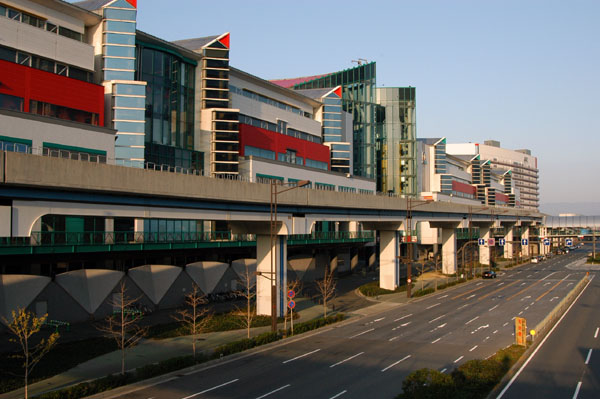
(523, 72)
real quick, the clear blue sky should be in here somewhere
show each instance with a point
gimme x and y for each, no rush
(523, 72)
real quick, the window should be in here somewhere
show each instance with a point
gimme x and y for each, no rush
(57, 111)
(12, 103)
(14, 144)
(23, 59)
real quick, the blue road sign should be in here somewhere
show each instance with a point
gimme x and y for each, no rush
(546, 241)
(524, 241)
(481, 241)
(501, 241)
(569, 242)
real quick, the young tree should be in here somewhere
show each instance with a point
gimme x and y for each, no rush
(326, 288)
(123, 325)
(23, 325)
(248, 282)
(195, 318)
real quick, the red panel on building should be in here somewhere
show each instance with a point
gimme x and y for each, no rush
(502, 198)
(463, 188)
(277, 142)
(34, 84)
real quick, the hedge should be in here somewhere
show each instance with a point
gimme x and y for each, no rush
(372, 289)
(474, 379)
(218, 322)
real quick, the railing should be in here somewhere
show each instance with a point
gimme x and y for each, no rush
(53, 238)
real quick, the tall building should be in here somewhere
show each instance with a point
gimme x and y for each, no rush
(521, 165)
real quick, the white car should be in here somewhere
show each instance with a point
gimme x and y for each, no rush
(534, 259)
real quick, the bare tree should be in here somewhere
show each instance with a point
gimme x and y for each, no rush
(23, 325)
(326, 288)
(123, 325)
(195, 318)
(248, 281)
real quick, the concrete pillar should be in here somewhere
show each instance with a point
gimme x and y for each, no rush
(109, 230)
(509, 237)
(389, 266)
(448, 250)
(333, 262)
(138, 230)
(485, 250)
(353, 259)
(353, 226)
(36, 235)
(263, 265)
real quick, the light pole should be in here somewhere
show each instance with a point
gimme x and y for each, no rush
(273, 235)
(409, 207)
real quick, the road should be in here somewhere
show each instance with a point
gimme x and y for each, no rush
(370, 356)
(567, 364)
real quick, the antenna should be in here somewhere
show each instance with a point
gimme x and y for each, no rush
(360, 61)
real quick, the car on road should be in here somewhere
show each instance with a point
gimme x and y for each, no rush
(489, 274)
(535, 259)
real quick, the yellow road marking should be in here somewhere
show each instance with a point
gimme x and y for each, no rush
(553, 287)
(499, 289)
(523, 290)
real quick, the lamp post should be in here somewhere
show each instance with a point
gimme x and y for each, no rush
(409, 207)
(273, 235)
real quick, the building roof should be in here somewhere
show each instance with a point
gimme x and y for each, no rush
(317, 94)
(92, 5)
(196, 43)
(289, 83)
(429, 140)
(185, 52)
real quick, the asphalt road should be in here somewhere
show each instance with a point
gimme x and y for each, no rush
(567, 364)
(370, 356)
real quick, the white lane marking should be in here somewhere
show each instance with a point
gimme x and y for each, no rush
(527, 307)
(525, 297)
(569, 284)
(433, 306)
(438, 327)
(301, 356)
(364, 332)
(393, 338)
(339, 394)
(587, 359)
(532, 303)
(393, 364)
(376, 320)
(489, 310)
(463, 306)
(505, 324)
(500, 284)
(473, 319)
(522, 284)
(442, 297)
(596, 334)
(549, 282)
(548, 276)
(437, 318)
(553, 298)
(486, 338)
(443, 370)
(512, 380)
(495, 331)
(470, 296)
(529, 275)
(514, 317)
(458, 360)
(520, 313)
(434, 341)
(403, 317)
(211, 389)
(273, 391)
(473, 348)
(345, 360)
(479, 328)
(577, 390)
(479, 283)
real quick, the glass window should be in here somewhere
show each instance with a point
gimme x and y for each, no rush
(118, 38)
(62, 69)
(130, 127)
(134, 90)
(71, 34)
(80, 74)
(118, 26)
(111, 13)
(23, 58)
(51, 27)
(119, 51)
(118, 75)
(12, 103)
(129, 114)
(2, 11)
(129, 140)
(119, 63)
(130, 102)
(14, 14)
(7, 54)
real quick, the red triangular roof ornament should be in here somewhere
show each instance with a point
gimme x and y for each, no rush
(338, 91)
(132, 2)
(225, 40)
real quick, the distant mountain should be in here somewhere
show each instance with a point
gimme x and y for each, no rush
(579, 208)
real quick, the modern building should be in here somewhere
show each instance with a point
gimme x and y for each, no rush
(522, 168)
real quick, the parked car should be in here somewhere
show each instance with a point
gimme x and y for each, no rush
(535, 259)
(489, 274)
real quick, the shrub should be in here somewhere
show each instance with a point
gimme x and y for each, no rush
(422, 292)
(372, 289)
(427, 384)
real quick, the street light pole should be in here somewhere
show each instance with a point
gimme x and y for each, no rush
(273, 237)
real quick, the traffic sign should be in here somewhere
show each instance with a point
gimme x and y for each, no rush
(569, 242)
(291, 304)
(546, 241)
(481, 241)
(520, 331)
(524, 241)
(291, 294)
(491, 242)
(501, 241)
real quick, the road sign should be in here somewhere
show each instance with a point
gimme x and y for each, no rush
(501, 242)
(291, 294)
(546, 241)
(524, 241)
(481, 241)
(291, 304)
(491, 242)
(520, 331)
(569, 242)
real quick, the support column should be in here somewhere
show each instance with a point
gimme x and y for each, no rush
(109, 230)
(138, 230)
(448, 250)
(509, 237)
(525, 235)
(389, 266)
(263, 266)
(485, 250)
